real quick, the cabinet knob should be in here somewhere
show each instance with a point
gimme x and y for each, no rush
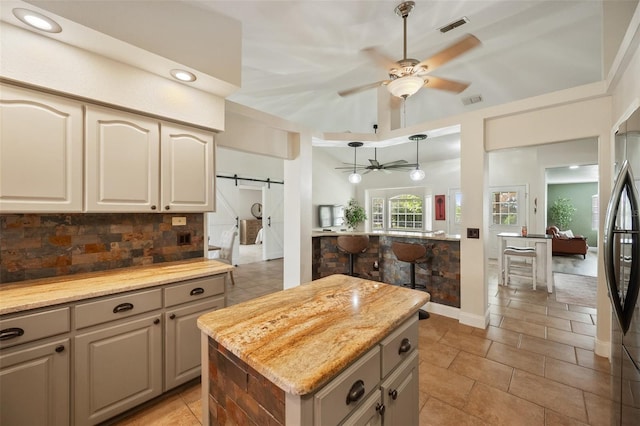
(405, 346)
(60, 348)
(172, 316)
(393, 393)
(153, 207)
(167, 207)
(356, 392)
(380, 408)
(156, 321)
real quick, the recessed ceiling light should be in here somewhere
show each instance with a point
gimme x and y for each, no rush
(183, 75)
(37, 20)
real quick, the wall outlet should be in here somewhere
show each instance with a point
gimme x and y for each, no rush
(473, 233)
(184, 238)
(178, 221)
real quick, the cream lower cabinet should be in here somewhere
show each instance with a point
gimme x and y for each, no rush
(138, 164)
(34, 384)
(41, 145)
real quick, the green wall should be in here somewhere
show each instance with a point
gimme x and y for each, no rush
(580, 195)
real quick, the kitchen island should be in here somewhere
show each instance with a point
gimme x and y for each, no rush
(339, 347)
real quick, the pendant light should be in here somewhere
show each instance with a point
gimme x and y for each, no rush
(417, 174)
(355, 177)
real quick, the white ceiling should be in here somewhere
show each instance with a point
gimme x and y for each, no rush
(296, 55)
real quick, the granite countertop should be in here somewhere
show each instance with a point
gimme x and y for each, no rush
(423, 235)
(24, 295)
(302, 337)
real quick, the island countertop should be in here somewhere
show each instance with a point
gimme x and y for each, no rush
(32, 294)
(302, 337)
(401, 234)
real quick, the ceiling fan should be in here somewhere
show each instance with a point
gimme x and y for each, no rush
(407, 75)
(375, 165)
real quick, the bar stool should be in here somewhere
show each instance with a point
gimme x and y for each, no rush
(353, 245)
(522, 254)
(411, 253)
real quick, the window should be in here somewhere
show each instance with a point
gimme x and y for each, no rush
(504, 207)
(405, 212)
(457, 216)
(377, 213)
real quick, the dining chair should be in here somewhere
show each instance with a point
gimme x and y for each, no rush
(225, 254)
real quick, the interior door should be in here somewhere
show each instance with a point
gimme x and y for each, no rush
(273, 221)
(226, 214)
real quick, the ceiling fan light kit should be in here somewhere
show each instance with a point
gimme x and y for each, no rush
(355, 176)
(408, 75)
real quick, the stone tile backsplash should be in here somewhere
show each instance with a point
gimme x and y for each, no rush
(47, 245)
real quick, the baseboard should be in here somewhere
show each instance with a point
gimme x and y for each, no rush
(450, 312)
(603, 348)
(444, 310)
(473, 320)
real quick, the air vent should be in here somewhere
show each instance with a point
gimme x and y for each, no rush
(454, 24)
(472, 99)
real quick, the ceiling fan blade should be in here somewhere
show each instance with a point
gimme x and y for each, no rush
(461, 46)
(380, 58)
(374, 163)
(395, 163)
(445, 84)
(366, 171)
(402, 167)
(359, 89)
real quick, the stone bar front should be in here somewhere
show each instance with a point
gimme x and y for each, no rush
(439, 272)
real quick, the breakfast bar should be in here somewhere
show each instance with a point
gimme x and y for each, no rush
(319, 353)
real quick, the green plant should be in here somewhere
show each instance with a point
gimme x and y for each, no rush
(354, 214)
(561, 212)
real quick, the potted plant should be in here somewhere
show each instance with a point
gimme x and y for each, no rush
(561, 213)
(354, 214)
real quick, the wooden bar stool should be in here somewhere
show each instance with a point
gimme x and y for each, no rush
(353, 245)
(411, 253)
(523, 254)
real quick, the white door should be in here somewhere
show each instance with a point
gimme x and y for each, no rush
(507, 213)
(226, 214)
(273, 221)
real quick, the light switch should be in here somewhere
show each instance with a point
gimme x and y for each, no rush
(178, 221)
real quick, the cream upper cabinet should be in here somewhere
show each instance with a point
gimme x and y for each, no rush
(40, 152)
(187, 169)
(122, 161)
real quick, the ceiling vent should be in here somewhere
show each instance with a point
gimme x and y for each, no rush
(472, 99)
(454, 24)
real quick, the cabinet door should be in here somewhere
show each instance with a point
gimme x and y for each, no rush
(400, 394)
(122, 162)
(187, 169)
(116, 368)
(40, 152)
(34, 384)
(182, 341)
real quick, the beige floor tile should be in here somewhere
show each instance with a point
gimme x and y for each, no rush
(583, 378)
(570, 315)
(483, 370)
(433, 329)
(583, 328)
(445, 385)
(169, 412)
(583, 309)
(192, 393)
(435, 353)
(598, 409)
(501, 301)
(524, 360)
(549, 394)
(535, 318)
(495, 320)
(500, 408)
(466, 342)
(497, 309)
(555, 419)
(548, 348)
(590, 359)
(528, 307)
(438, 413)
(566, 337)
(196, 409)
(551, 303)
(498, 334)
(519, 326)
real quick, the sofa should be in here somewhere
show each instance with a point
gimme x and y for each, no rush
(567, 244)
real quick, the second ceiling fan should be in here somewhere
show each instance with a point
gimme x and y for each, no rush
(408, 75)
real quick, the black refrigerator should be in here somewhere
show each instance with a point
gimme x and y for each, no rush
(622, 268)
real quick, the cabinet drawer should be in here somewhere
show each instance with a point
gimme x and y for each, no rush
(332, 402)
(195, 289)
(398, 345)
(115, 308)
(29, 327)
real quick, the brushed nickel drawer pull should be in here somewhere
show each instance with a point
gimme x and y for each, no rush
(196, 291)
(356, 392)
(11, 333)
(123, 307)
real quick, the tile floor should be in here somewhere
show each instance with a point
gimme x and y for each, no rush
(534, 364)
